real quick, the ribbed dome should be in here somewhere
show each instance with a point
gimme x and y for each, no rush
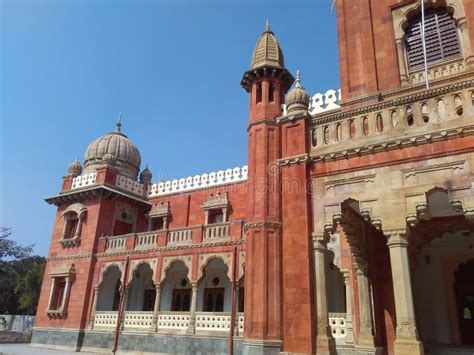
(297, 99)
(267, 51)
(113, 149)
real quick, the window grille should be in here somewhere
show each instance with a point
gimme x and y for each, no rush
(441, 36)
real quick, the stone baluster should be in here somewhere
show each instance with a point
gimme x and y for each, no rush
(192, 313)
(366, 339)
(156, 308)
(94, 307)
(349, 327)
(325, 343)
(406, 341)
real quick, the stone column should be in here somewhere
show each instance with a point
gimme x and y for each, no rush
(124, 306)
(349, 328)
(407, 341)
(192, 313)
(94, 307)
(150, 224)
(51, 293)
(325, 343)
(401, 62)
(366, 339)
(465, 43)
(156, 308)
(77, 232)
(65, 294)
(236, 309)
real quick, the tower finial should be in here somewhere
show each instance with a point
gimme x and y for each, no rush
(119, 123)
(298, 79)
(267, 26)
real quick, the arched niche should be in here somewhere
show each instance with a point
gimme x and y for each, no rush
(176, 287)
(141, 289)
(215, 288)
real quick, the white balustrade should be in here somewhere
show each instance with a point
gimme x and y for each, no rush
(173, 320)
(146, 240)
(213, 321)
(105, 319)
(115, 243)
(216, 231)
(199, 181)
(138, 320)
(322, 102)
(180, 237)
(130, 185)
(83, 180)
(240, 323)
(337, 323)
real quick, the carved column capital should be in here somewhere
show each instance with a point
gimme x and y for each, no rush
(396, 238)
(320, 242)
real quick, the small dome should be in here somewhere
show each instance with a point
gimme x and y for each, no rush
(267, 51)
(297, 99)
(146, 176)
(114, 149)
(75, 168)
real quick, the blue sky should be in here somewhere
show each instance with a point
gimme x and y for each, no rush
(172, 67)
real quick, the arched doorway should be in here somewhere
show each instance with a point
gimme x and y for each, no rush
(464, 288)
(215, 288)
(142, 289)
(109, 290)
(176, 294)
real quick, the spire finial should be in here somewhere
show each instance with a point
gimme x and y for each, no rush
(267, 26)
(298, 79)
(119, 123)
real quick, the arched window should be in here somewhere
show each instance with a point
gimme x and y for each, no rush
(271, 92)
(441, 38)
(259, 93)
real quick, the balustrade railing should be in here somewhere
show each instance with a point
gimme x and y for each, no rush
(83, 180)
(180, 236)
(342, 131)
(138, 320)
(146, 240)
(337, 323)
(105, 319)
(216, 231)
(116, 243)
(213, 321)
(173, 320)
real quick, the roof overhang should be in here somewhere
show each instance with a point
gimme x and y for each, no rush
(93, 192)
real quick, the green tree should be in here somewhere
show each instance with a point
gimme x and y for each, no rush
(20, 276)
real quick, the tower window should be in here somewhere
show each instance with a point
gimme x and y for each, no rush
(441, 38)
(271, 92)
(71, 226)
(259, 92)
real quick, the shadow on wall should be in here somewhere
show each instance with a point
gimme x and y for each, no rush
(16, 323)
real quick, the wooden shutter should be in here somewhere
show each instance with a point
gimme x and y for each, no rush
(441, 39)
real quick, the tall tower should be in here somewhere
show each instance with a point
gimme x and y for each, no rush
(267, 81)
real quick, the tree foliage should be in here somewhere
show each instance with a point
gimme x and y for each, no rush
(21, 276)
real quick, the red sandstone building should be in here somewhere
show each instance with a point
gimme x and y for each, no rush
(350, 231)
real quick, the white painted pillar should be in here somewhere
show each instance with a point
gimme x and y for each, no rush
(192, 313)
(349, 327)
(466, 43)
(51, 294)
(407, 341)
(65, 295)
(156, 308)
(94, 307)
(325, 343)
(401, 62)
